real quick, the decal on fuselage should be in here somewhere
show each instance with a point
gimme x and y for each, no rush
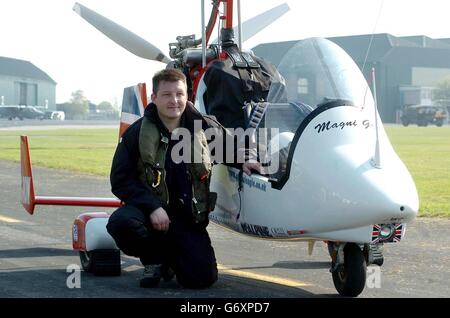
(250, 182)
(325, 126)
(295, 232)
(278, 232)
(258, 230)
(75, 232)
(395, 237)
(394, 220)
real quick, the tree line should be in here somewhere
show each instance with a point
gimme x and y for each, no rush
(79, 107)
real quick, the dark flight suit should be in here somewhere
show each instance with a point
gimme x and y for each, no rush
(186, 247)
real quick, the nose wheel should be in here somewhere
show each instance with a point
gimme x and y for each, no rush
(348, 268)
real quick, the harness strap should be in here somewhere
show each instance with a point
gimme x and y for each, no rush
(250, 61)
(243, 70)
(257, 113)
(234, 54)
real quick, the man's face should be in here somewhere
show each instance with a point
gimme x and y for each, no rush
(170, 99)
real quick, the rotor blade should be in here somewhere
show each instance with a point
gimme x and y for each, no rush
(256, 24)
(261, 21)
(125, 38)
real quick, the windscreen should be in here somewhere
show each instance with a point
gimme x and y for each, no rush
(314, 73)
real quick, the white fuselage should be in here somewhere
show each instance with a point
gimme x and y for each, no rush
(334, 192)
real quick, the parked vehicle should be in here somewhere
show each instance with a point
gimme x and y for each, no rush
(21, 112)
(55, 115)
(422, 115)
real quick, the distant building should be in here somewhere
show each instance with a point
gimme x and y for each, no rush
(22, 83)
(407, 68)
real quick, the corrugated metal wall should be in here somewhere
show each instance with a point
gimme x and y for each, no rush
(30, 92)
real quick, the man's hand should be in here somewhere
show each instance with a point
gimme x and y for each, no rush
(249, 166)
(160, 220)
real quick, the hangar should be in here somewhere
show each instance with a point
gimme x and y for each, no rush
(22, 83)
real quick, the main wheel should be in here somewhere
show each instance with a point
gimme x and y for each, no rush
(101, 262)
(350, 278)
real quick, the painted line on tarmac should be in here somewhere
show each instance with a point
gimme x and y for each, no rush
(262, 277)
(9, 220)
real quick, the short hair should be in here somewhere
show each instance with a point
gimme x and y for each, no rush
(167, 75)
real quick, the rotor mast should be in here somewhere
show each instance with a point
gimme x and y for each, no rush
(239, 24)
(228, 6)
(203, 35)
(227, 29)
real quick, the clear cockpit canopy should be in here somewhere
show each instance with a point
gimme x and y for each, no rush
(317, 71)
(314, 73)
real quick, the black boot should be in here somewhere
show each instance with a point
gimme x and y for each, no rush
(151, 276)
(167, 273)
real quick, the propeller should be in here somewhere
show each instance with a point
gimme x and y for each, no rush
(256, 24)
(122, 36)
(261, 21)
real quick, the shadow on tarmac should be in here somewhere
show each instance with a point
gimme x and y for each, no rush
(36, 252)
(291, 265)
(54, 281)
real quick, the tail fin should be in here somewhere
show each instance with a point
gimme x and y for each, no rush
(28, 196)
(133, 105)
(30, 200)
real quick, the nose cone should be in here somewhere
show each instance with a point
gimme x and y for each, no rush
(390, 190)
(350, 192)
(384, 194)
